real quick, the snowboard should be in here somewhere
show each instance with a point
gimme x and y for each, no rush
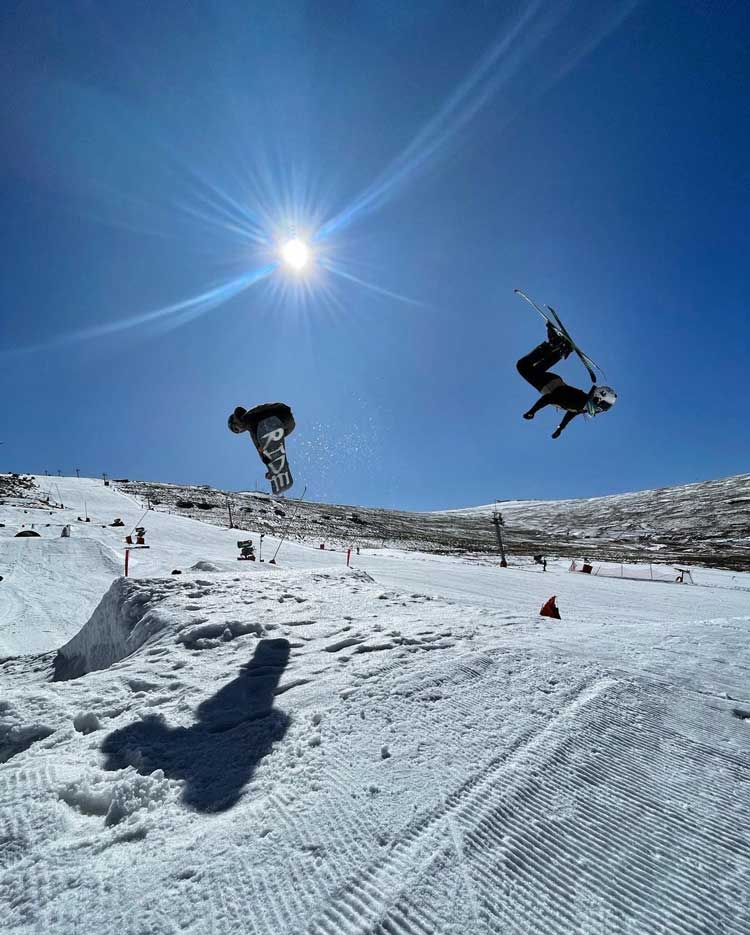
(551, 316)
(269, 441)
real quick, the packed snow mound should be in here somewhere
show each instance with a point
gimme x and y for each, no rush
(136, 612)
(127, 617)
(49, 589)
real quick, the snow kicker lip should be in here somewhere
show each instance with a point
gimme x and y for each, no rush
(135, 611)
(122, 622)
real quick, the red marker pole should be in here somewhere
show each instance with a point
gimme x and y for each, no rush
(127, 561)
(348, 556)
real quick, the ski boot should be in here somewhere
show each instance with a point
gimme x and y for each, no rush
(558, 342)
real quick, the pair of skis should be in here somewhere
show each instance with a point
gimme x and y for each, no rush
(553, 319)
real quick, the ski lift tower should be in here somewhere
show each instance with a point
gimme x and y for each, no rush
(497, 522)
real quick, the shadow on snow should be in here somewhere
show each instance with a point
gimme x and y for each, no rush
(218, 755)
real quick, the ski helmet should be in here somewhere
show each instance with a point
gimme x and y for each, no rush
(601, 399)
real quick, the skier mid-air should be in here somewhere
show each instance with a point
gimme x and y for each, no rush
(535, 369)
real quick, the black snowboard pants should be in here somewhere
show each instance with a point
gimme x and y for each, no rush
(534, 367)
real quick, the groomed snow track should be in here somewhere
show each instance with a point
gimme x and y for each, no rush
(547, 839)
(435, 777)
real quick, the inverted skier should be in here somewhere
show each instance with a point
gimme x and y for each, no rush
(535, 369)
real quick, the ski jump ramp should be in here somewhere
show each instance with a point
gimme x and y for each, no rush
(49, 589)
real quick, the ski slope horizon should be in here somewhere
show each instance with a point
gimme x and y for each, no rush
(401, 746)
(47, 480)
(705, 523)
(178, 539)
(47, 483)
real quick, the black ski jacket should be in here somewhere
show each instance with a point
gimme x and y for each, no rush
(242, 420)
(569, 398)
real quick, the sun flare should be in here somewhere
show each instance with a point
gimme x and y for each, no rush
(296, 254)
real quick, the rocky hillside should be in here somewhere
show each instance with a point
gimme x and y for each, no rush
(705, 523)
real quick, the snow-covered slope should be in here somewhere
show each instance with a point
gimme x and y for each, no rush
(400, 747)
(49, 589)
(44, 602)
(306, 751)
(695, 524)
(52, 585)
(706, 523)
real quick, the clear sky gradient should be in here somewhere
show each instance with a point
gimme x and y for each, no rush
(437, 155)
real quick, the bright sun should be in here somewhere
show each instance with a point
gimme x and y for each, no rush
(296, 254)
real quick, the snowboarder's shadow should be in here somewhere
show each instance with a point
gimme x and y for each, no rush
(217, 756)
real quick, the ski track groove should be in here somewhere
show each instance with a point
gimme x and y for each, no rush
(242, 898)
(15, 834)
(224, 917)
(311, 887)
(282, 915)
(457, 840)
(400, 863)
(564, 858)
(623, 845)
(353, 836)
(303, 893)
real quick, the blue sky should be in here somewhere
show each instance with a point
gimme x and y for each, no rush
(438, 155)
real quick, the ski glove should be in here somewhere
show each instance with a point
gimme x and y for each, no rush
(557, 432)
(528, 415)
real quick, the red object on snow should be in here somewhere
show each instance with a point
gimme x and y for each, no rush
(549, 609)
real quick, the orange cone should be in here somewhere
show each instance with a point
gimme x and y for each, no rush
(549, 609)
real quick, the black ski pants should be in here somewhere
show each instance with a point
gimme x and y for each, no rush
(534, 367)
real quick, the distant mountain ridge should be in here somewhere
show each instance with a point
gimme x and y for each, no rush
(705, 523)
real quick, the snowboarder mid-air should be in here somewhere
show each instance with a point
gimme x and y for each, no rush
(268, 425)
(248, 420)
(535, 369)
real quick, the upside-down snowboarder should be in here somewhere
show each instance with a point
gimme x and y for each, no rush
(535, 369)
(268, 425)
